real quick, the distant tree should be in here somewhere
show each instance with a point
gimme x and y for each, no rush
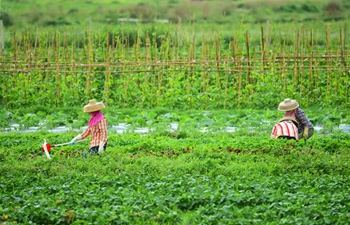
(332, 8)
(6, 18)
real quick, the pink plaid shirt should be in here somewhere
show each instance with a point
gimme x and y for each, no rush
(98, 133)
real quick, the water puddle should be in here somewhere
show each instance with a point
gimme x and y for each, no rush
(345, 127)
(123, 127)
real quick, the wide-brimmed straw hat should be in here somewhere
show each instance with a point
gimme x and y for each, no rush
(288, 118)
(93, 106)
(288, 105)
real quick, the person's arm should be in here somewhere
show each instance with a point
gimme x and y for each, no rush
(86, 133)
(103, 128)
(81, 136)
(305, 123)
(301, 117)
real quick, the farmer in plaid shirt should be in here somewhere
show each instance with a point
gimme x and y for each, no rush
(291, 108)
(97, 127)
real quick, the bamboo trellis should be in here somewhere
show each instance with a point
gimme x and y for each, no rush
(237, 71)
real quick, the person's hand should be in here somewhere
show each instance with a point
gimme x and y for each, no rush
(77, 138)
(100, 147)
(306, 133)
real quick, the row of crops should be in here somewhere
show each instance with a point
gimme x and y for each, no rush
(177, 67)
(182, 176)
(160, 178)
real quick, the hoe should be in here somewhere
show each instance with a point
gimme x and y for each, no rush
(46, 147)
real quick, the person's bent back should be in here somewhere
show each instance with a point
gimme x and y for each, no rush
(287, 128)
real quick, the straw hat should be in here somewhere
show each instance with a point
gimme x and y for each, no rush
(288, 118)
(288, 105)
(93, 106)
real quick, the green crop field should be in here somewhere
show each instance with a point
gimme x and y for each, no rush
(182, 176)
(215, 70)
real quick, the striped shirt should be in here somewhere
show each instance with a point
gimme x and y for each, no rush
(285, 128)
(98, 133)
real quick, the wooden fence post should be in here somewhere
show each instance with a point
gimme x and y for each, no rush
(2, 35)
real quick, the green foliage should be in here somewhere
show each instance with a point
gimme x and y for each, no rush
(186, 175)
(6, 18)
(152, 179)
(107, 13)
(174, 66)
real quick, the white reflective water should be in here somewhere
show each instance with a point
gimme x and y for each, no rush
(124, 127)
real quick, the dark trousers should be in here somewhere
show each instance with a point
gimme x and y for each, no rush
(286, 137)
(95, 149)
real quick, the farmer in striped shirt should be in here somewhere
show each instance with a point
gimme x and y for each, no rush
(287, 127)
(97, 127)
(291, 109)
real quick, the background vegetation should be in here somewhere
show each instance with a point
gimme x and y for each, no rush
(35, 13)
(212, 54)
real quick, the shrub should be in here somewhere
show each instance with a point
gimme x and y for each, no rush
(332, 8)
(146, 12)
(6, 18)
(58, 22)
(309, 8)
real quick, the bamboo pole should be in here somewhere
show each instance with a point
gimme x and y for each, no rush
(164, 55)
(239, 94)
(72, 60)
(56, 47)
(234, 64)
(301, 74)
(204, 72)
(268, 36)
(262, 47)
(48, 57)
(107, 73)
(226, 87)
(329, 76)
(138, 57)
(343, 61)
(283, 64)
(125, 56)
(188, 78)
(36, 54)
(15, 50)
(173, 67)
(346, 65)
(296, 60)
(2, 36)
(218, 58)
(311, 52)
(65, 54)
(89, 61)
(155, 73)
(146, 77)
(247, 80)
(248, 75)
(342, 46)
(114, 47)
